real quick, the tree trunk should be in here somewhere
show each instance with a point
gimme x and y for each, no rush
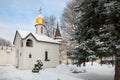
(84, 60)
(83, 64)
(101, 61)
(117, 69)
(92, 62)
(113, 61)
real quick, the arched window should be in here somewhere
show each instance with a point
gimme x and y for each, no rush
(46, 56)
(29, 43)
(30, 56)
(41, 30)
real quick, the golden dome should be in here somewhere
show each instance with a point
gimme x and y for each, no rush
(40, 21)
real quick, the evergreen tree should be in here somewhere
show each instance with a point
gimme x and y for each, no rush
(98, 29)
(37, 67)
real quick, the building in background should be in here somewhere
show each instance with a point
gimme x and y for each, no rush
(62, 48)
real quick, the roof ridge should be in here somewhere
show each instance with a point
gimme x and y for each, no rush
(25, 34)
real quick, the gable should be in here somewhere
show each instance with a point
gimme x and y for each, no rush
(17, 37)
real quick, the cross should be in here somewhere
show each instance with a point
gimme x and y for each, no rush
(40, 11)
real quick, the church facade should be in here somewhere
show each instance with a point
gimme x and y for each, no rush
(31, 47)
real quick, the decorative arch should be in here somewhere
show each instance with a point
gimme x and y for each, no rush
(29, 43)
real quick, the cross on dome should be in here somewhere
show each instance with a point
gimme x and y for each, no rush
(40, 11)
(40, 19)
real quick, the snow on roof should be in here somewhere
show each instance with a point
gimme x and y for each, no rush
(22, 33)
(43, 38)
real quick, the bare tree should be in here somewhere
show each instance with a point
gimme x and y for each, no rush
(50, 25)
(68, 19)
(68, 24)
(4, 42)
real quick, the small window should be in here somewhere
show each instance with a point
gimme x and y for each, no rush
(46, 56)
(30, 56)
(29, 43)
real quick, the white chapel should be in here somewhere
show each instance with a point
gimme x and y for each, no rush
(31, 47)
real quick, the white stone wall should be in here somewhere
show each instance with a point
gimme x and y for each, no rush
(7, 55)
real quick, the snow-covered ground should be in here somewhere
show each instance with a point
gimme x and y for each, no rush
(61, 72)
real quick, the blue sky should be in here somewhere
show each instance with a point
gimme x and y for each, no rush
(21, 14)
